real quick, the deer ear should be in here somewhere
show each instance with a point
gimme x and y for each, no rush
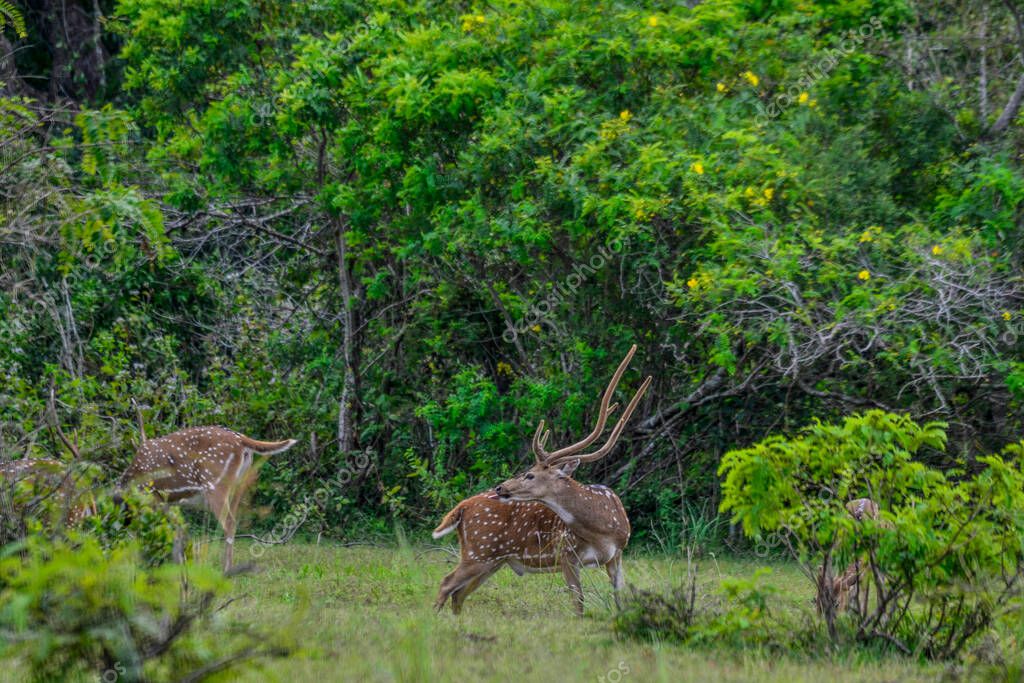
(569, 467)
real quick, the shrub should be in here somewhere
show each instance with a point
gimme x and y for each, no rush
(737, 612)
(68, 608)
(136, 517)
(946, 557)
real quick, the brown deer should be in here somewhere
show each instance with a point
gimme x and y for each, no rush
(544, 520)
(853, 582)
(211, 464)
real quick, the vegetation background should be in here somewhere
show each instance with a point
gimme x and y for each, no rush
(405, 231)
(411, 230)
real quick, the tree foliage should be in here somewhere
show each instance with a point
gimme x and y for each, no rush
(417, 228)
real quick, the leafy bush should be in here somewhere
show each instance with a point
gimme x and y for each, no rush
(946, 557)
(736, 613)
(138, 518)
(44, 496)
(68, 608)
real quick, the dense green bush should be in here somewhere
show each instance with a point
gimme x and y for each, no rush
(70, 608)
(137, 519)
(737, 613)
(945, 559)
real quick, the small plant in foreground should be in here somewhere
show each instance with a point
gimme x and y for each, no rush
(69, 608)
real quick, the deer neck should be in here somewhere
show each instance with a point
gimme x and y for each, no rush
(594, 514)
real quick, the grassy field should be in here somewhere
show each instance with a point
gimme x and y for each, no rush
(364, 614)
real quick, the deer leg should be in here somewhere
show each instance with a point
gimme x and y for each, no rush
(222, 508)
(460, 595)
(615, 574)
(571, 572)
(864, 586)
(178, 546)
(458, 579)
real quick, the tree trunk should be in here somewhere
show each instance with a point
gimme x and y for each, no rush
(349, 318)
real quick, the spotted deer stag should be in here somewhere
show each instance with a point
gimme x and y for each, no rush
(211, 465)
(544, 520)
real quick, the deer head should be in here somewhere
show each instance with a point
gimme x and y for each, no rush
(550, 479)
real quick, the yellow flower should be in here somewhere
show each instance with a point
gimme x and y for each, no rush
(751, 78)
(504, 368)
(652, 20)
(769, 193)
(535, 328)
(866, 236)
(692, 283)
(749, 192)
(1007, 315)
(721, 87)
(936, 250)
(625, 115)
(697, 168)
(471, 21)
(863, 275)
(802, 98)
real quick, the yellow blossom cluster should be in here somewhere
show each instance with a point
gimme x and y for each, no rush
(472, 21)
(613, 128)
(870, 234)
(761, 198)
(751, 78)
(698, 281)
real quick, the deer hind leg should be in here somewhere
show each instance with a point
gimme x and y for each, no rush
(460, 595)
(617, 577)
(863, 588)
(571, 572)
(224, 506)
(457, 580)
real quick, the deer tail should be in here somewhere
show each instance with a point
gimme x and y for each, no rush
(267, 447)
(450, 521)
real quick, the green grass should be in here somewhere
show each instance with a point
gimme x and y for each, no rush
(364, 614)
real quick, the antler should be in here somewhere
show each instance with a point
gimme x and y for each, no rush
(540, 437)
(56, 423)
(614, 436)
(138, 418)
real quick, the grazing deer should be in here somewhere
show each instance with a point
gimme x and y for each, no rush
(854, 579)
(212, 464)
(544, 520)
